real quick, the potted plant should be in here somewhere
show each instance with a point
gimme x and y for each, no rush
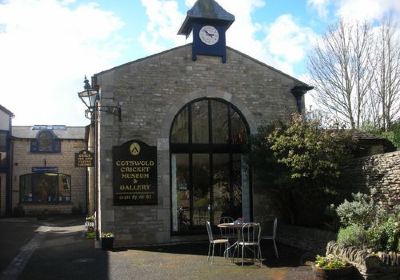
(107, 240)
(90, 220)
(332, 267)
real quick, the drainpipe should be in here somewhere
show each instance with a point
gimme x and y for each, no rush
(298, 92)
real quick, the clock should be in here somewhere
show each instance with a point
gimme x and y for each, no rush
(209, 35)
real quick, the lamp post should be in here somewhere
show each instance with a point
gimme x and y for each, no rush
(90, 97)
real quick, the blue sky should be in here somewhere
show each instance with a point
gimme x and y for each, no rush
(48, 46)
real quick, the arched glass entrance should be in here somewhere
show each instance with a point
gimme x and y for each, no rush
(209, 142)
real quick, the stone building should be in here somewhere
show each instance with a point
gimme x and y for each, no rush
(177, 154)
(44, 174)
(5, 159)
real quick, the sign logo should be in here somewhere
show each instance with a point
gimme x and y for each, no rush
(134, 149)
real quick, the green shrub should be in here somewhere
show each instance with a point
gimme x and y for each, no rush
(90, 235)
(384, 236)
(361, 211)
(352, 235)
(330, 262)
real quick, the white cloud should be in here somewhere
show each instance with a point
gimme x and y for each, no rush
(288, 42)
(321, 6)
(280, 44)
(164, 20)
(366, 9)
(46, 47)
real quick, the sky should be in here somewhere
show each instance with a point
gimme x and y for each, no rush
(48, 46)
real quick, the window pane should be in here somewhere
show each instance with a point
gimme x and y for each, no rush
(237, 179)
(180, 128)
(221, 190)
(45, 139)
(200, 122)
(26, 188)
(64, 188)
(180, 192)
(3, 141)
(201, 182)
(220, 129)
(239, 135)
(45, 188)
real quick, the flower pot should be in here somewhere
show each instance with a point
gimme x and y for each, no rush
(107, 243)
(345, 273)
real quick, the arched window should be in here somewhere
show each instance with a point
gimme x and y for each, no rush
(46, 142)
(45, 188)
(209, 143)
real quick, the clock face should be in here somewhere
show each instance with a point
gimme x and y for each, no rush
(209, 35)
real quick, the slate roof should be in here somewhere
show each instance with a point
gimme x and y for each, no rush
(61, 131)
(5, 110)
(205, 9)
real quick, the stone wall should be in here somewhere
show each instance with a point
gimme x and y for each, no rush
(378, 175)
(24, 160)
(309, 239)
(371, 266)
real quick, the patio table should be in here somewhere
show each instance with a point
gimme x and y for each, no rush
(237, 226)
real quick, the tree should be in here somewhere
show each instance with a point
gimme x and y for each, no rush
(301, 164)
(339, 66)
(355, 69)
(314, 156)
(386, 82)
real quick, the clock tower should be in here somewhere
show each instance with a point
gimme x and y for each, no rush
(209, 22)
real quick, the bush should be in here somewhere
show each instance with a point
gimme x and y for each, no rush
(367, 224)
(361, 211)
(352, 235)
(385, 236)
(330, 262)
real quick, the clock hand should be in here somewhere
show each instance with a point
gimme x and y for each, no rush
(209, 34)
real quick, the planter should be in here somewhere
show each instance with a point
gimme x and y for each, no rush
(107, 243)
(346, 273)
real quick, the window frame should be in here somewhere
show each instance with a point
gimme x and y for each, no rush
(31, 180)
(55, 145)
(210, 149)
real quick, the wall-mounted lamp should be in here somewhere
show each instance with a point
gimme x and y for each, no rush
(90, 96)
(298, 92)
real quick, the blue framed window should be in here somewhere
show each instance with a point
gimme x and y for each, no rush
(47, 188)
(46, 142)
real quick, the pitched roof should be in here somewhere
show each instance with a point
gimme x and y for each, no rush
(5, 110)
(61, 131)
(300, 83)
(205, 9)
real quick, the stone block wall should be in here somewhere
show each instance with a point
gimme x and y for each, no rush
(24, 160)
(308, 239)
(378, 175)
(370, 266)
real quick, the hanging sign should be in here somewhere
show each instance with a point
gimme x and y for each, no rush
(135, 174)
(84, 159)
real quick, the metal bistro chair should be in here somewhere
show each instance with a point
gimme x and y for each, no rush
(221, 241)
(250, 241)
(227, 232)
(273, 236)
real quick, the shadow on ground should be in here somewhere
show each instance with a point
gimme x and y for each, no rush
(288, 256)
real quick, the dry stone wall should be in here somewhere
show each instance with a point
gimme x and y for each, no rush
(378, 175)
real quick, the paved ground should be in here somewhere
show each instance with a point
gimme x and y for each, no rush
(56, 249)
